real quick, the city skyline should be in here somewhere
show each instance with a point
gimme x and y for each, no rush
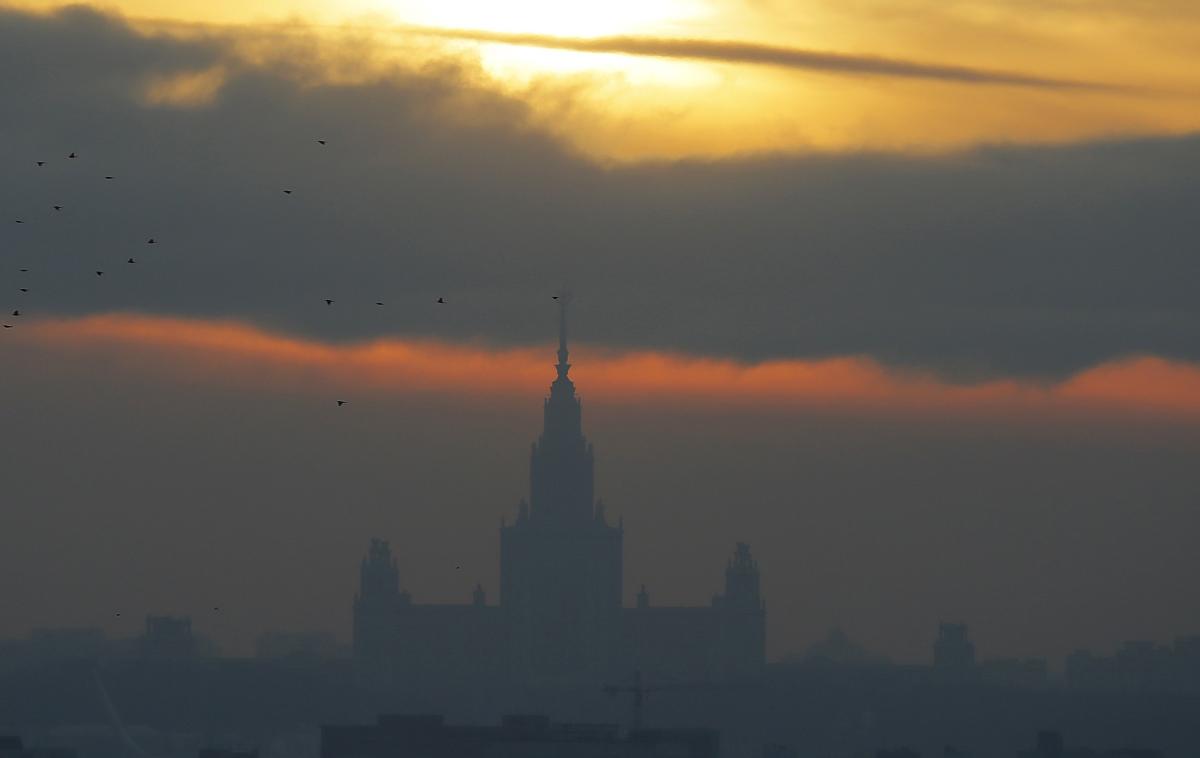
(922, 331)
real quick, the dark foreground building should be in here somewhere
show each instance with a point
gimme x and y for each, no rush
(413, 736)
(560, 615)
(14, 747)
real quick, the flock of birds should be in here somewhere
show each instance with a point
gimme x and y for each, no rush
(17, 313)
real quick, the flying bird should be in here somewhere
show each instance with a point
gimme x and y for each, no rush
(23, 270)
(151, 241)
(72, 155)
(328, 301)
(16, 313)
(23, 289)
(342, 402)
(41, 163)
(19, 221)
(131, 260)
(379, 303)
(8, 326)
(58, 207)
(99, 273)
(554, 297)
(287, 192)
(108, 177)
(441, 300)
(320, 142)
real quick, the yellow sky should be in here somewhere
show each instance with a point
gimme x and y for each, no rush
(625, 106)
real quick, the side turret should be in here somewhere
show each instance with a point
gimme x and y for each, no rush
(742, 581)
(377, 602)
(743, 617)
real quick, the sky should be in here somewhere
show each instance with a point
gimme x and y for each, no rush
(898, 291)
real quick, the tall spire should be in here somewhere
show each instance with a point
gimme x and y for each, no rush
(564, 299)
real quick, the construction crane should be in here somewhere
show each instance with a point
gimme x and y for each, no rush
(640, 691)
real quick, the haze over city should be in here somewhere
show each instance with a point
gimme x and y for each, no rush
(899, 293)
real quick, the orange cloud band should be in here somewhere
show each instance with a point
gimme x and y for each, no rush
(234, 353)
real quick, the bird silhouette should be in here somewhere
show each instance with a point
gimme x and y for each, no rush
(41, 163)
(16, 312)
(328, 301)
(108, 177)
(441, 300)
(23, 289)
(131, 260)
(23, 270)
(342, 402)
(58, 207)
(19, 221)
(99, 273)
(320, 142)
(379, 303)
(287, 192)
(151, 241)
(8, 326)
(72, 155)
(554, 297)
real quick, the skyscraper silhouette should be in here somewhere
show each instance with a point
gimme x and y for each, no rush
(560, 616)
(560, 563)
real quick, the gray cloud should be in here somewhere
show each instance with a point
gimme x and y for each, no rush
(732, 51)
(1030, 260)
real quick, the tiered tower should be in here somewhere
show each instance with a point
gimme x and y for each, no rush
(742, 618)
(376, 604)
(560, 563)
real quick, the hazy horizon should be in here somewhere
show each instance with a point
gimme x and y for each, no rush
(922, 335)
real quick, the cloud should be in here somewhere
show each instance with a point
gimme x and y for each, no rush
(732, 51)
(242, 356)
(1013, 261)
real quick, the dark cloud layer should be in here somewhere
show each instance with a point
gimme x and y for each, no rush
(1020, 259)
(732, 51)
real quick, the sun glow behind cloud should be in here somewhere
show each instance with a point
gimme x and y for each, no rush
(552, 17)
(623, 106)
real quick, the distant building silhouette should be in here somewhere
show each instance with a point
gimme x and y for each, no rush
(1050, 744)
(428, 736)
(168, 637)
(837, 649)
(14, 747)
(560, 614)
(67, 643)
(1015, 672)
(953, 651)
(295, 646)
(1139, 666)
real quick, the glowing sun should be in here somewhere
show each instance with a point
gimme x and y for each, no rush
(554, 17)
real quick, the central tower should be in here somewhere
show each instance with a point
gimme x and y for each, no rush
(560, 563)
(561, 465)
